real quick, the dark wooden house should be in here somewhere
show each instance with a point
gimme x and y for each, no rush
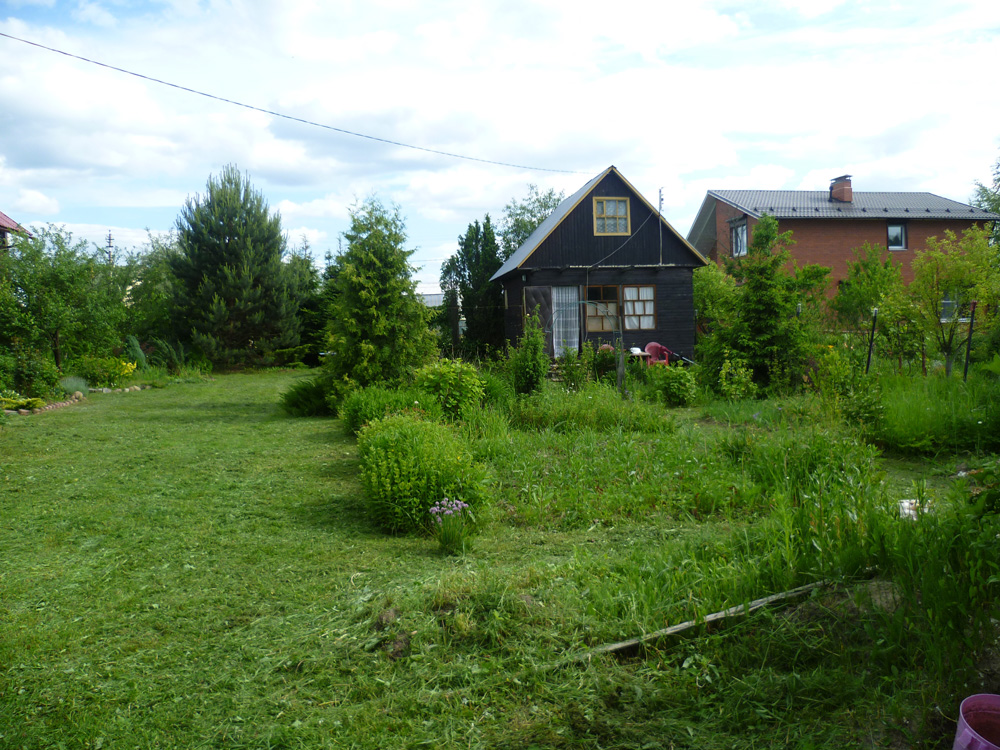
(603, 267)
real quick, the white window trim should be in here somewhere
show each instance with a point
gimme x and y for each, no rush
(902, 229)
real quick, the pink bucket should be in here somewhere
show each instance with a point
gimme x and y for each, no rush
(978, 723)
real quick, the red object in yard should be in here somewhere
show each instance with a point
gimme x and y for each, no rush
(658, 354)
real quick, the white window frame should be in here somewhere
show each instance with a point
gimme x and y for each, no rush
(738, 239)
(902, 234)
(639, 307)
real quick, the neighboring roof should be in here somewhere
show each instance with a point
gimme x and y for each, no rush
(816, 204)
(10, 225)
(555, 218)
(432, 300)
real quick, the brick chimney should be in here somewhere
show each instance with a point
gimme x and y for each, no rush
(840, 189)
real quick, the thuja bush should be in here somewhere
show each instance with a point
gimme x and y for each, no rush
(377, 401)
(673, 385)
(409, 463)
(455, 384)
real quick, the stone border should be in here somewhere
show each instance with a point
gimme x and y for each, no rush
(75, 399)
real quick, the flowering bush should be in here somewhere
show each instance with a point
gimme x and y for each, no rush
(103, 372)
(451, 524)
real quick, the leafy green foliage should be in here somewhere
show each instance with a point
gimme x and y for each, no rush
(235, 296)
(102, 372)
(60, 297)
(465, 279)
(527, 362)
(380, 329)
(947, 277)
(575, 368)
(871, 277)
(521, 217)
(455, 385)
(408, 464)
(33, 373)
(673, 385)
(365, 405)
(736, 379)
(772, 317)
(151, 295)
(987, 197)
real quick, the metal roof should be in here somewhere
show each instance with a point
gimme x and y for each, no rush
(542, 230)
(536, 238)
(8, 223)
(816, 204)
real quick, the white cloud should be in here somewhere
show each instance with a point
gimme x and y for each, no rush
(88, 12)
(36, 202)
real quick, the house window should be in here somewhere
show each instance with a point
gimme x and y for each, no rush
(611, 216)
(602, 308)
(738, 239)
(639, 307)
(897, 237)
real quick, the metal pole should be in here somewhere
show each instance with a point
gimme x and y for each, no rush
(871, 339)
(968, 342)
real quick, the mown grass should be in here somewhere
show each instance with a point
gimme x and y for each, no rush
(189, 567)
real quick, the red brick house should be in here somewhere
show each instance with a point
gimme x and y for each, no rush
(828, 225)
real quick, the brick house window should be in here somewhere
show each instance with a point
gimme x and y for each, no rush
(602, 308)
(896, 237)
(611, 216)
(639, 307)
(738, 239)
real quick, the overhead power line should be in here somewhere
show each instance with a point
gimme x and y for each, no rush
(284, 116)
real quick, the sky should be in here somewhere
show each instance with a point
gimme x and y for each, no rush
(682, 97)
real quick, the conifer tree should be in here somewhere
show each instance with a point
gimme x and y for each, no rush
(380, 326)
(466, 277)
(233, 295)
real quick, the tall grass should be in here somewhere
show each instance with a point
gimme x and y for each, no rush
(936, 413)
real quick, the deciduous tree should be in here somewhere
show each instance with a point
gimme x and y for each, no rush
(521, 217)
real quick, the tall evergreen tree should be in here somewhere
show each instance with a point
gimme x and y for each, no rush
(379, 324)
(233, 294)
(465, 276)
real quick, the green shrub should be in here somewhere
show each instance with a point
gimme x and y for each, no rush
(672, 385)
(8, 368)
(102, 372)
(528, 362)
(134, 353)
(35, 374)
(736, 379)
(366, 405)
(575, 367)
(597, 407)
(12, 400)
(455, 384)
(408, 464)
(307, 398)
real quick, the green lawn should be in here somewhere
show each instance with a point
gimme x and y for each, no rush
(188, 567)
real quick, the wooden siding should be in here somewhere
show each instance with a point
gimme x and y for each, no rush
(674, 302)
(573, 242)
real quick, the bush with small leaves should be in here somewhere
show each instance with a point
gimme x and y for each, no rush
(455, 384)
(408, 464)
(377, 401)
(674, 385)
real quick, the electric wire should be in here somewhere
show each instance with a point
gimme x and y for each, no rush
(283, 116)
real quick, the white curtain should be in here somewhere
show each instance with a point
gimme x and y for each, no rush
(565, 319)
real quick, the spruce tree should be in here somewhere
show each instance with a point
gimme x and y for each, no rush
(233, 295)
(466, 276)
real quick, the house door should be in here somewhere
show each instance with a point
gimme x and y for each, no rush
(565, 319)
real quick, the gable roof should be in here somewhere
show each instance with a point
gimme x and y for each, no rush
(553, 220)
(12, 226)
(816, 204)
